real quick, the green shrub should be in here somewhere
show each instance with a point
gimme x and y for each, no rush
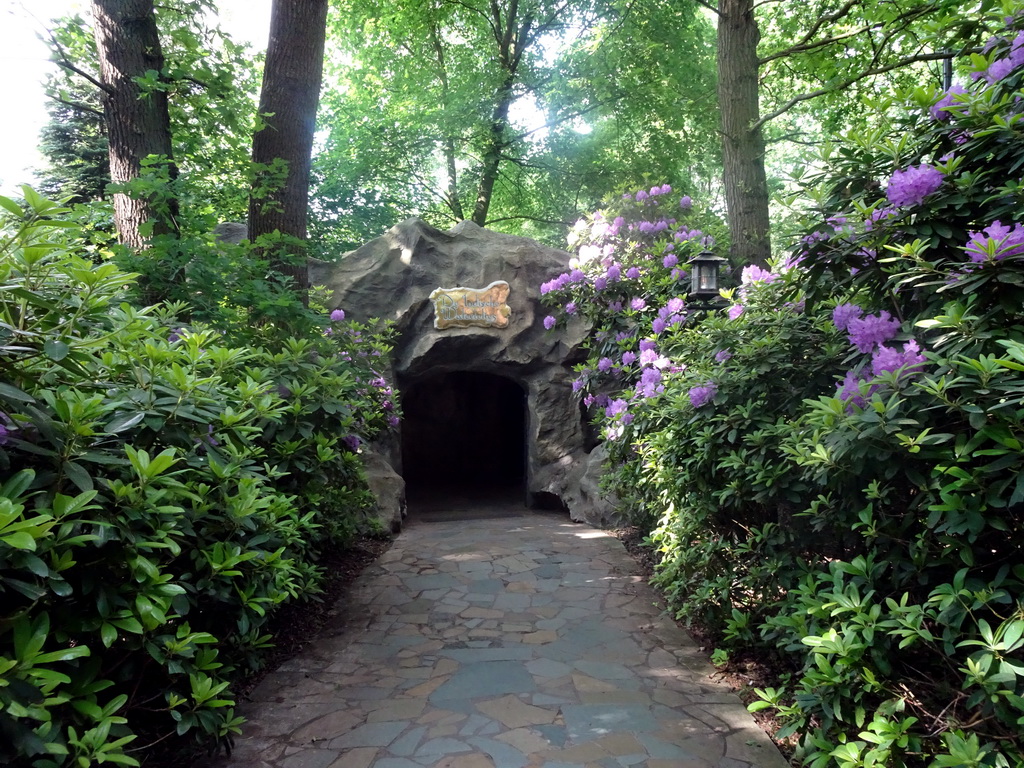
(850, 495)
(154, 508)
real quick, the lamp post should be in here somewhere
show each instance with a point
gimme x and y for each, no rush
(705, 270)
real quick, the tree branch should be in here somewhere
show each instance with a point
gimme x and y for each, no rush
(64, 62)
(806, 44)
(856, 78)
(709, 6)
(77, 105)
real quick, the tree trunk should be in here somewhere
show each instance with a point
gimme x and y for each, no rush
(495, 148)
(746, 186)
(288, 106)
(137, 120)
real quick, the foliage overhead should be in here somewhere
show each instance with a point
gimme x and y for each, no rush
(554, 104)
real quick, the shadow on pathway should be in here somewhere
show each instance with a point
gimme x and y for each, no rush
(522, 641)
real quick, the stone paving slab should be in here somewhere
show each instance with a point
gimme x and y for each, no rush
(517, 642)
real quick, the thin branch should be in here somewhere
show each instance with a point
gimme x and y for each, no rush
(528, 218)
(709, 6)
(899, 24)
(850, 81)
(828, 18)
(76, 105)
(65, 63)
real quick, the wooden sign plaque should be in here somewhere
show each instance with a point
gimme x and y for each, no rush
(465, 307)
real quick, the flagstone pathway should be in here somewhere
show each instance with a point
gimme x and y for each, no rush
(517, 642)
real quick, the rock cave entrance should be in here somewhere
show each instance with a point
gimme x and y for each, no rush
(463, 440)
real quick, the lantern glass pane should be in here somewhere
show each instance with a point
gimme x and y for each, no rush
(707, 277)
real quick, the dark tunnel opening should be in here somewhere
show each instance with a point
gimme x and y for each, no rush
(463, 439)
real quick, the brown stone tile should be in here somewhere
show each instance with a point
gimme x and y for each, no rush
(425, 689)
(525, 740)
(513, 713)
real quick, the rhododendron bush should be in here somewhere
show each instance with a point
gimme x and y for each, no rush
(832, 463)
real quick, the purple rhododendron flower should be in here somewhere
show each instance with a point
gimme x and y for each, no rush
(641, 195)
(628, 358)
(549, 322)
(940, 109)
(912, 186)
(337, 315)
(735, 311)
(637, 304)
(615, 306)
(646, 344)
(352, 441)
(577, 385)
(996, 241)
(701, 396)
(633, 273)
(755, 274)
(886, 360)
(849, 390)
(604, 364)
(670, 261)
(615, 407)
(650, 383)
(648, 356)
(868, 331)
(722, 355)
(600, 283)
(999, 69)
(394, 421)
(686, 202)
(570, 308)
(614, 273)
(679, 274)
(659, 325)
(844, 313)
(577, 276)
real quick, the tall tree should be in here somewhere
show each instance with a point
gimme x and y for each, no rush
(816, 51)
(282, 148)
(137, 119)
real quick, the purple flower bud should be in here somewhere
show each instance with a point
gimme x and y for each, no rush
(337, 315)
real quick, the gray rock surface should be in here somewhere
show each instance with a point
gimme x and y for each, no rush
(393, 276)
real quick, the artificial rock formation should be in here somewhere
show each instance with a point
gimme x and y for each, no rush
(393, 277)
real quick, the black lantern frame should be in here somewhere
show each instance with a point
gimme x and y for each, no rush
(705, 276)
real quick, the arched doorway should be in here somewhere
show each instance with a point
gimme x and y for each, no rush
(463, 440)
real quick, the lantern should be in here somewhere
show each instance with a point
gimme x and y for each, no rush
(704, 275)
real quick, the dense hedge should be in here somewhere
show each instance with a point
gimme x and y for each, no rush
(833, 466)
(161, 492)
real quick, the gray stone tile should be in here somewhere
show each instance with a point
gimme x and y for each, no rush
(406, 745)
(486, 678)
(503, 755)
(592, 721)
(370, 735)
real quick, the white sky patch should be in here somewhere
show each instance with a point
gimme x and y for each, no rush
(24, 64)
(525, 115)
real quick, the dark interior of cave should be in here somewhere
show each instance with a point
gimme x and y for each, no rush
(463, 439)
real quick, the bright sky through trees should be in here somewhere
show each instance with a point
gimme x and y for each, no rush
(24, 60)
